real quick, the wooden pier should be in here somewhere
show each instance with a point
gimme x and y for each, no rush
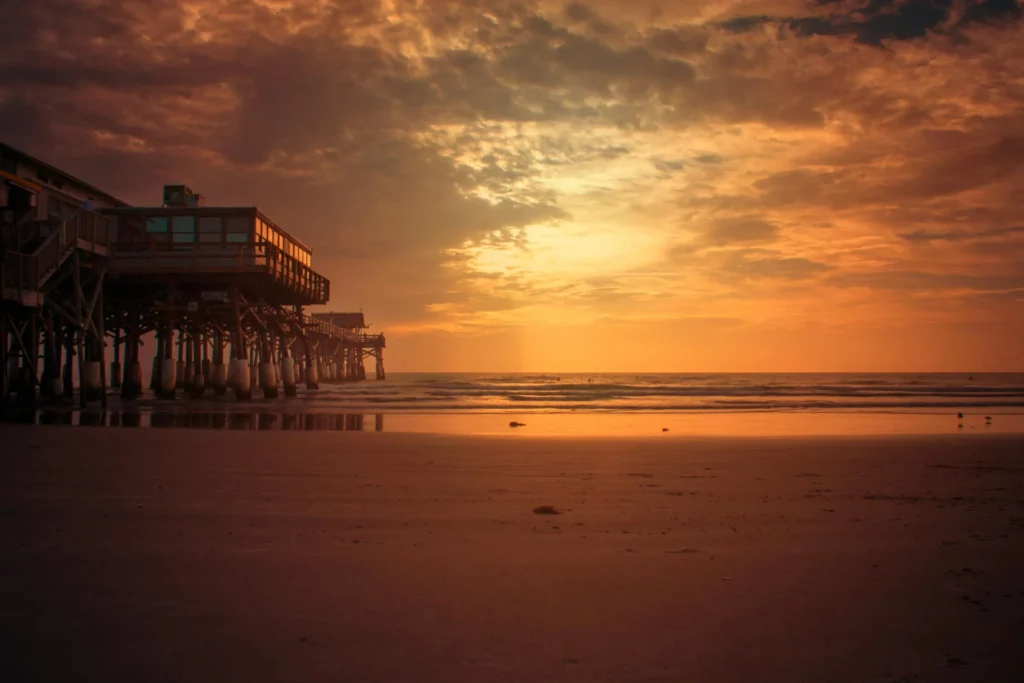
(219, 292)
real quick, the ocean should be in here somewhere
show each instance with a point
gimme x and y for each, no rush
(687, 392)
(601, 404)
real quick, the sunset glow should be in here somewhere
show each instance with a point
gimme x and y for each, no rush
(780, 185)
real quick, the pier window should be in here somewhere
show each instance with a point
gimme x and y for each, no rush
(158, 229)
(183, 229)
(210, 229)
(238, 228)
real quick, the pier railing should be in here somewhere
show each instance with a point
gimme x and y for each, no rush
(213, 258)
(29, 272)
(312, 324)
(16, 229)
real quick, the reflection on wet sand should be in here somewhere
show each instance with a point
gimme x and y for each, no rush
(655, 425)
(341, 422)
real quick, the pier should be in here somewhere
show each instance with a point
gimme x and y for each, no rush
(220, 294)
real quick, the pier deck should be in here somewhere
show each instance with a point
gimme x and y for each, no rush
(222, 289)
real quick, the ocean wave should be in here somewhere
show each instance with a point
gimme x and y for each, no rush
(596, 393)
(570, 392)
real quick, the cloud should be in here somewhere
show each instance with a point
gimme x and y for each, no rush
(482, 163)
(740, 230)
(918, 280)
(765, 265)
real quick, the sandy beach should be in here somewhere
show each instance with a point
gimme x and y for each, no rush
(190, 555)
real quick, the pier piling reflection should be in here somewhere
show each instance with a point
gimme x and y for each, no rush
(235, 420)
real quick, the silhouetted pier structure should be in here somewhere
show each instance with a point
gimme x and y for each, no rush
(222, 289)
(358, 345)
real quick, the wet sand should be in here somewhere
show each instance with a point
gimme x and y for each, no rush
(190, 555)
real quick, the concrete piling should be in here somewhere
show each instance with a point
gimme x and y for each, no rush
(92, 382)
(220, 379)
(168, 378)
(288, 376)
(131, 387)
(268, 380)
(243, 380)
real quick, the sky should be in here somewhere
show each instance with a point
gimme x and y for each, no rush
(641, 186)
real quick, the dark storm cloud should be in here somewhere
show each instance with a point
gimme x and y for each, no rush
(991, 10)
(590, 66)
(878, 21)
(578, 12)
(679, 41)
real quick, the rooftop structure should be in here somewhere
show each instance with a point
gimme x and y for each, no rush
(349, 321)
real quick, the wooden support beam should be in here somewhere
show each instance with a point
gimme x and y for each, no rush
(79, 296)
(100, 342)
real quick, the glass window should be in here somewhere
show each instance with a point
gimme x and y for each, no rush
(183, 224)
(210, 237)
(237, 237)
(184, 237)
(209, 224)
(239, 225)
(156, 224)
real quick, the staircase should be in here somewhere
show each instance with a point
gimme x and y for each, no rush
(40, 249)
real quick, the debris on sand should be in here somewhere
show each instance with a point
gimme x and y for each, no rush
(514, 424)
(546, 510)
(664, 429)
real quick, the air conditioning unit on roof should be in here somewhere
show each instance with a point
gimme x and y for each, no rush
(181, 196)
